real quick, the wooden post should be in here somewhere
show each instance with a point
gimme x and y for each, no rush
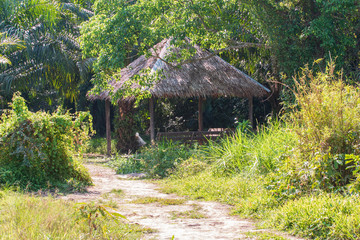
(152, 120)
(108, 126)
(200, 117)
(251, 111)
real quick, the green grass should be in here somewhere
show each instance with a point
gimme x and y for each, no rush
(156, 162)
(98, 145)
(326, 216)
(117, 192)
(24, 216)
(124, 164)
(252, 153)
(265, 236)
(194, 213)
(109, 202)
(161, 201)
(246, 194)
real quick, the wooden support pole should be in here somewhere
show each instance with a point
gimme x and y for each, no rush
(152, 120)
(251, 111)
(108, 126)
(200, 117)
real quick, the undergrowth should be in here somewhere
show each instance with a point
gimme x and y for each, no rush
(37, 149)
(157, 161)
(98, 145)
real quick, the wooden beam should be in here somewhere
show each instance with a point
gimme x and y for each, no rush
(152, 120)
(108, 126)
(251, 111)
(200, 117)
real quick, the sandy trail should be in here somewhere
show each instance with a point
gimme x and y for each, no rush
(216, 224)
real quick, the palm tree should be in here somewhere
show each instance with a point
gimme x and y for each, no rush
(7, 44)
(51, 59)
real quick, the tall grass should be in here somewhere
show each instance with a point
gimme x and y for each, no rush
(259, 152)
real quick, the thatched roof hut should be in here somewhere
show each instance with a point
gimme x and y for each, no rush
(207, 77)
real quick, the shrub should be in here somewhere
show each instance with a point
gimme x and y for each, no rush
(189, 167)
(126, 164)
(328, 119)
(161, 160)
(98, 145)
(327, 126)
(157, 161)
(36, 149)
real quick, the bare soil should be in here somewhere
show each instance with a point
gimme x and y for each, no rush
(167, 221)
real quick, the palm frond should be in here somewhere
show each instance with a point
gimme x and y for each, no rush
(4, 60)
(78, 10)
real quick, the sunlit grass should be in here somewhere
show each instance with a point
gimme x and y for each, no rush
(161, 201)
(246, 194)
(259, 152)
(194, 213)
(28, 217)
(324, 216)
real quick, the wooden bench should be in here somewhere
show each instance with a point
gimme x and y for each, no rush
(199, 136)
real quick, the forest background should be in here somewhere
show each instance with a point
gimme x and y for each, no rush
(59, 50)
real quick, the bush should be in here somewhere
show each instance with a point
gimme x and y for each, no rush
(189, 167)
(157, 161)
(161, 160)
(36, 149)
(327, 126)
(126, 164)
(98, 145)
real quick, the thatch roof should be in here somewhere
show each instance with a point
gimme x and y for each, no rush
(201, 78)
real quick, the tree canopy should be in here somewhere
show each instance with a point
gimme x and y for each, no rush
(268, 39)
(51, 60)
(281, 35)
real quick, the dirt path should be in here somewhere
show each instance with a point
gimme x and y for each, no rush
(188, 220)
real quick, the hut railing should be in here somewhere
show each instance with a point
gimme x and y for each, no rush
(200, 136)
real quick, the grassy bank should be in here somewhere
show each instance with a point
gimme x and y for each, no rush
(29, 217)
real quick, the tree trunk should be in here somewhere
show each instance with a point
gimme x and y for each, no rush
(108, 126)
(125, 129)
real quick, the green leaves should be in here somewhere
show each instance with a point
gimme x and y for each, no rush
(50, 59)
(122, 30)
(37, 148)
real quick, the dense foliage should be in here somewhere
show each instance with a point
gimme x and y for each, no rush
(36, 149)
(268, 39)
(50, 63)
(326, 123)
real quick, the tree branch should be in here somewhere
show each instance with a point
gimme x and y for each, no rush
(210, 54)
